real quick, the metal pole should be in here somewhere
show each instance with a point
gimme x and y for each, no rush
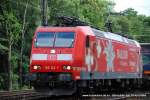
(44, 12)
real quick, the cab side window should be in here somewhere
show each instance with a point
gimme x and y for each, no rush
(87, 42)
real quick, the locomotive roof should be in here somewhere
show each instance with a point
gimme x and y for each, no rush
(51, 28)
(114, 36)
(98, 33)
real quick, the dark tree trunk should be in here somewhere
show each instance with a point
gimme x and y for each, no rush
(9, 68)
(22, 45)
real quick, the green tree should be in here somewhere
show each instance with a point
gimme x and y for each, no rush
(12, 28)
(91, 11)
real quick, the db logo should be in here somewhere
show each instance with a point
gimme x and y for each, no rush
(52, 57)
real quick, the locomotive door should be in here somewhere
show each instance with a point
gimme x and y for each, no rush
(90, 52)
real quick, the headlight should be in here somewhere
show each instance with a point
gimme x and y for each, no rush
(67, 67)
(35, 67)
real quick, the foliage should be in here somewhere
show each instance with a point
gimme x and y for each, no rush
(91, 11)
(128, 22)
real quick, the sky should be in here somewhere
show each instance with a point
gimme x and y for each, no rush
(142, 6)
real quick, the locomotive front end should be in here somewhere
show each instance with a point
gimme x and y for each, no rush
(53, 60)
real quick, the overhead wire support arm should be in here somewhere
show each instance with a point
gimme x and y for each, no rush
(71, 21)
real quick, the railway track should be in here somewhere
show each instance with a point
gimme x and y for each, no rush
(21, 95)
(136, 95)
(32, 95)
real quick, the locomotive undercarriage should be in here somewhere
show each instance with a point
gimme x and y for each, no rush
(63, 81)
(109, 85)
(51, 82)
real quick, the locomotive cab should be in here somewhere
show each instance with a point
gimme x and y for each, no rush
(57, 54)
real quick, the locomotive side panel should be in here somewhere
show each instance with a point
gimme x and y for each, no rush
(121, 59)
(115, 59)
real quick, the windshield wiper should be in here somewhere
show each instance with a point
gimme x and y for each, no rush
(71, 43)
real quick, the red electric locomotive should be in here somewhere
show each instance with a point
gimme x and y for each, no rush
(74, 56)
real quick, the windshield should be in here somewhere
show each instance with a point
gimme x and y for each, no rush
(64, 39)
(45, 39)
(59, 39)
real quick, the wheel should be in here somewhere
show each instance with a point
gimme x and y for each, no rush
(40, 87)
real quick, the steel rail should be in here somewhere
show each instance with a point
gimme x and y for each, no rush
(20, 95)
